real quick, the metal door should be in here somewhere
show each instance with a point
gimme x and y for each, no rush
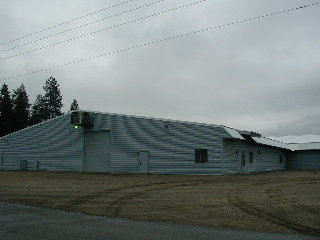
(144, 162)
(97, 151)
(243, 160)
(239, 161)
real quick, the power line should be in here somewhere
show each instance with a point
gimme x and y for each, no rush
(161, 41)
(66, 22)
(85, 25)
(105, 29)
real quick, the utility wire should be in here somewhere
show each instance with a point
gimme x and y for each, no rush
(69, 21)
(105, 29)
(85, 25)
(161, 41)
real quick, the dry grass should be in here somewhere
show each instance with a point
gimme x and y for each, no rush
(285, 202)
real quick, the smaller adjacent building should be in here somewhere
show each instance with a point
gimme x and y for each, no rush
(86, 141)
(304, 155)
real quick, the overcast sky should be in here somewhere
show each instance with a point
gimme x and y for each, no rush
(262, 75)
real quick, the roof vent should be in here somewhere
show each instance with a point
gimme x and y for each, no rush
(81, 118)
(248, 133)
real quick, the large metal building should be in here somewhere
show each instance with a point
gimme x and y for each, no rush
(104, 142)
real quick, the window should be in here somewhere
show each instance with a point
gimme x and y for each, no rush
(201, 155)
(251, 157)
(280, 159)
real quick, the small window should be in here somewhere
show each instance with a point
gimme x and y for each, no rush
(201, 155)
(251, 157)
(280, 159)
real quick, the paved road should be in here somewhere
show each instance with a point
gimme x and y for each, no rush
(30, 223)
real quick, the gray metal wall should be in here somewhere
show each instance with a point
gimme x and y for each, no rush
(55, 144)
(309, 159)
(264, 158)
(170, 144)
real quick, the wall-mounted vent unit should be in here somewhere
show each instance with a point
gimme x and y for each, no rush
(81, 118)
(21, 165)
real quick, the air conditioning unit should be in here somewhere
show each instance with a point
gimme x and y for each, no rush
(21, 165)
(81, 118)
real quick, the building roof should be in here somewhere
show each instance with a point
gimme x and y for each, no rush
(270, 142)
(32, 126)
(230, 131)
(233, 133)
(304, 146)
(308, 138)
(288, 146)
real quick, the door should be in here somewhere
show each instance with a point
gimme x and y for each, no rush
(243, 160)
(97, 151)
(144, 162)
(238, 158)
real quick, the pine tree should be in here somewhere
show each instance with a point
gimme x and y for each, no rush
(37, 110)
(6, 111)
(74, 105)
(21, 108)
(52, 98)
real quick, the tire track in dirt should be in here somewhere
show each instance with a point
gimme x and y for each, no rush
(75, 202)
(235, 199)
(272, 193)
(117, 205)
(91, 196)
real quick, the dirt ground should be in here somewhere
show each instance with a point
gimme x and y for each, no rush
(283, 202)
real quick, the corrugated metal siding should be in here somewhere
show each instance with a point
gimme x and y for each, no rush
(304, 159)
(264, 158)
(170, 144)
(55, 144)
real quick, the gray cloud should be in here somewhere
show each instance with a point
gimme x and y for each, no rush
(262, 75)
(307, 124)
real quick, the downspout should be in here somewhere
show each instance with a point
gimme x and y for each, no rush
(84, 150)
(222, 156)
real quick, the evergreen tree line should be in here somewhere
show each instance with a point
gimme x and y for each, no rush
(17, 113)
